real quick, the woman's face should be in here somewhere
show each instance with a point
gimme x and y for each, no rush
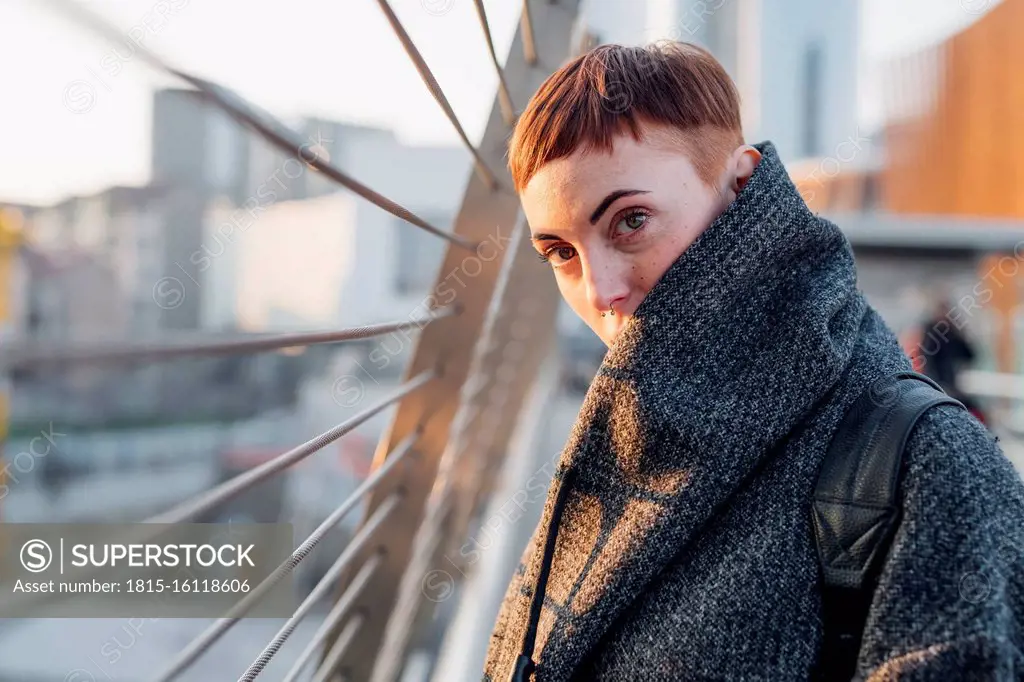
(610, 225)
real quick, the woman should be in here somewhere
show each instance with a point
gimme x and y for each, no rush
(677, 542)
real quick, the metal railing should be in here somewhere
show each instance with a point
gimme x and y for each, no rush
(474, 359)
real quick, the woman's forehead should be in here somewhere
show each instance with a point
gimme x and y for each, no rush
(573, 183)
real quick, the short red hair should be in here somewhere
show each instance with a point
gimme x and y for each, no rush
(612, 89)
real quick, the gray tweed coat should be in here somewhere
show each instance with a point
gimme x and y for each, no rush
(685, 550)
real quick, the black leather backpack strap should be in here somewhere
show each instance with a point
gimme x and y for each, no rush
(857, 509)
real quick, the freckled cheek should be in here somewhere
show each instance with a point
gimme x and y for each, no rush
(643, 275)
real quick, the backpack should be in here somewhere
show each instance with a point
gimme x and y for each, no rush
(856, 508)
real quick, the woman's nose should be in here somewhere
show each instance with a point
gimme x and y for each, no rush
(606, 284)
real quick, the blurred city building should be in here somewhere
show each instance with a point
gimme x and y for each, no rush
(286, 257)
(229, 237)
(955, 132)
(202, 154)
(951, 142)
(119, 232)
(71, 294)
(114, 266)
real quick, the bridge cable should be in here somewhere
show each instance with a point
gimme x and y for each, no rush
(526, 25)
(332, 574)
(504, 96)
(333, 617)
(36, 355)
(232, 487)
(428, 79)
(338, 649)
(199, 645)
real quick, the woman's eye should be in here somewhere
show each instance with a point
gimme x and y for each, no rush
(559, 254)
(631, 223)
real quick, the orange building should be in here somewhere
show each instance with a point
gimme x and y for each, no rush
(955, 134)
(953, 145)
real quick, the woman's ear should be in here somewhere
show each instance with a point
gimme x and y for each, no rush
(743, 162)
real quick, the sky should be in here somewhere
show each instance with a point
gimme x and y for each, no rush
(74, 110)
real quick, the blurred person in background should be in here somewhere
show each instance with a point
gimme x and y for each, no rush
(55, 473)
(945, 351)
(677, 540)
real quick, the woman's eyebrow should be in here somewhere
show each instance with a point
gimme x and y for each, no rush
(598, 212)
(610, 199)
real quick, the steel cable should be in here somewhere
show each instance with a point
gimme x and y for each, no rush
(24, 357)
(504, 96)
(199, 645)
(410, 590)
(150, 530)
(428, 79)
(232, 487)
(317, 593)
(332, 573)
(526, 25)
(339, 647)
(314, 596)
(334, 616)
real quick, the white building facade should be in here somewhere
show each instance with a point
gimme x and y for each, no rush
(330, 258)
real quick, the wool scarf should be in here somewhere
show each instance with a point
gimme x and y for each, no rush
(683, 547)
